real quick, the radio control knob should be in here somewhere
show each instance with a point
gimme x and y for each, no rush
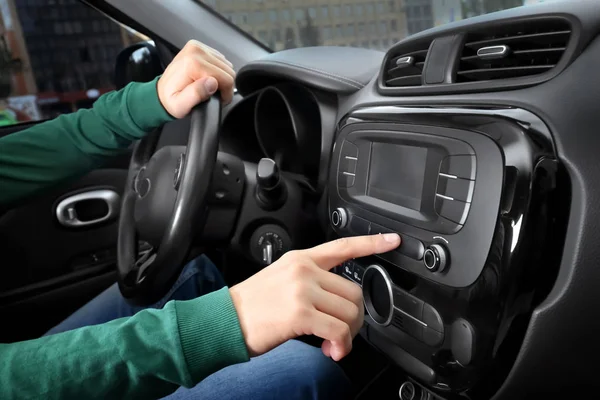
(339, 218)
(436, 258)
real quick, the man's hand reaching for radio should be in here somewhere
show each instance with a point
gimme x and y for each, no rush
(297, 295)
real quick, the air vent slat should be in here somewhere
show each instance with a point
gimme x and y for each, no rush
(534, 38)
(511, 72)
(404, 67)
(557, 50)
(411, 80)
(418, 54)
(404, 71)
(513, 50)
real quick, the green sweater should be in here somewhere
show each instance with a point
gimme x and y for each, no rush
(145, 356)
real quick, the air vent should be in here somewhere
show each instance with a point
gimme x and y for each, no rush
(406, 68)
(514, 50)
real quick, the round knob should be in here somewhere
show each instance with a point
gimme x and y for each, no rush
(409, 391)
(339, 218)
(435, 258)
(377, 294)
(267, 173)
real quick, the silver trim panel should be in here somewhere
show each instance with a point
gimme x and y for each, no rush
(444, 197)
(388, 284)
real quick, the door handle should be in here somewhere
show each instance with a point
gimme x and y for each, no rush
(66, 213)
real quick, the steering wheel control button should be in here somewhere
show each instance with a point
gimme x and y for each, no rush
(462, 341)
(435, 258)
(360, 226)
(462, 166)
(270, 189)
(456, 188)
(377, 293)
(452, 209)
(408, 303)
(339, 218)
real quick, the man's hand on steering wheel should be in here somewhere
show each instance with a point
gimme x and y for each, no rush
(164, 202)
(195, 74)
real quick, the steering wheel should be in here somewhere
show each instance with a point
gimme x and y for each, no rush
(164, 204)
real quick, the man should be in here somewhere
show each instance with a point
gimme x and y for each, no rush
(198, 347)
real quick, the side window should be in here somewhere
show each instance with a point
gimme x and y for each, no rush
(56, 56)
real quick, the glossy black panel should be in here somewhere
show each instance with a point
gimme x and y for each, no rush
(469, 336)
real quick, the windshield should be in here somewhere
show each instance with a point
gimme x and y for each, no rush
(375, 24)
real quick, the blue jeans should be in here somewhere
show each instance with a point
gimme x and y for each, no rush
(294, 370)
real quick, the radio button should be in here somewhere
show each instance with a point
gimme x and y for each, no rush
(339, 218)
(348, 164)
(459, 166)
(407, 303)
(412, 326)
(348, 269)
(411, 247)
(345, 179)
(432, 318)
(358, 273)
(436, 258)
(349, 149)
(375, 229)
(458, 189)
(432, 337)
(360, 226)
(453, 210)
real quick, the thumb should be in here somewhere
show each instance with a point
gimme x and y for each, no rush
(326, 347)
(193, 94)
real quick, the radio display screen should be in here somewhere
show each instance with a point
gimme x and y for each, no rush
(397, 173)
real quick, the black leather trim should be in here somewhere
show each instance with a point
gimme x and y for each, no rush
(341, 70)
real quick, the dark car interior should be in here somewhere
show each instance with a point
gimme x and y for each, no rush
(476, 141)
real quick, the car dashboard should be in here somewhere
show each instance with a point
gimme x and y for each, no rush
(477, 143)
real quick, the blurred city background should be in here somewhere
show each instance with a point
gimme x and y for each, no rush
(57, 56)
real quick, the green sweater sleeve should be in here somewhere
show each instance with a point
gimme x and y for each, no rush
(148, 355)
(71, 145)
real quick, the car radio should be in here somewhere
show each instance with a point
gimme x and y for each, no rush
(469, 191)
(438, 187)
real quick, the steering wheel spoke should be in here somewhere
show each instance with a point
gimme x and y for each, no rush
(165, 203)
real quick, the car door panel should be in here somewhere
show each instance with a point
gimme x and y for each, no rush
(49, 269)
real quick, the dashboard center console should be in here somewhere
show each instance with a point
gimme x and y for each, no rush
(438, 187)
(461, 188)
